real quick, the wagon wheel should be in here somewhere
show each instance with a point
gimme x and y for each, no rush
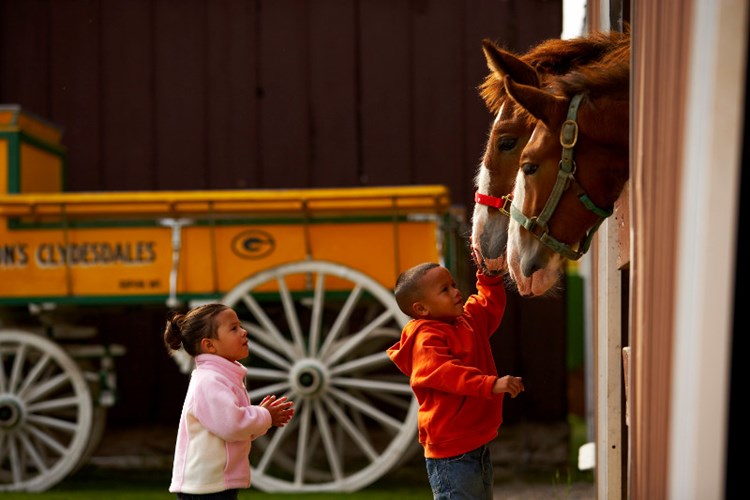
(318, 332)
(45, 412)
(98, 426)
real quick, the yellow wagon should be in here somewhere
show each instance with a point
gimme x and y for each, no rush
(309, 271)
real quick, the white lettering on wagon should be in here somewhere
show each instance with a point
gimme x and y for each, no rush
(13, 256)
(94, 254)
(50, 255)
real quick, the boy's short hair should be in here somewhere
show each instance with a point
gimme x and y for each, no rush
(407, 290)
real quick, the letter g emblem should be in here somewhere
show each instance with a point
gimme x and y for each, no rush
(253, 244)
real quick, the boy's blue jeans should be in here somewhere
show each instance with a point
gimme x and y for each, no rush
(464, 477)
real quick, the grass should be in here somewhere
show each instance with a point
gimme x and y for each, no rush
(91, 483)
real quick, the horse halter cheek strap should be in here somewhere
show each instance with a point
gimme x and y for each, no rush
(565, 177)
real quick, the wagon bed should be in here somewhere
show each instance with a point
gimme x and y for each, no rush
(185, 245)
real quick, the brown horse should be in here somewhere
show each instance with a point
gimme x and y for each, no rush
(512, 128)
(572, 169)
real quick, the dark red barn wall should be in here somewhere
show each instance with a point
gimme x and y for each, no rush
(195, 94)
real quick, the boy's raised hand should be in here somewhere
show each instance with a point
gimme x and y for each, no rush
(510, 384)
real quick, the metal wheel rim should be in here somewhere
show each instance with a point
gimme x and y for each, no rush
(45, 412)
(349, 397)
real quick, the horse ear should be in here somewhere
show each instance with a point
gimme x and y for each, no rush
(541, 105)
(503, 63)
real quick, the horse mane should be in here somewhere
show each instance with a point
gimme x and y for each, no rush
(608, 76)
(557, 57)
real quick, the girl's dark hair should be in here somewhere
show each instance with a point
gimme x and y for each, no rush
(187, 330)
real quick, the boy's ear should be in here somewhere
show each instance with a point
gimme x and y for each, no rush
(207, 346)
(420, 310)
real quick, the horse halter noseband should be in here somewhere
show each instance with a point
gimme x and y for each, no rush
(502, 203)
(565, 177)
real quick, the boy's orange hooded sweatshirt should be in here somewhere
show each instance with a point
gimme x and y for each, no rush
(451, 371)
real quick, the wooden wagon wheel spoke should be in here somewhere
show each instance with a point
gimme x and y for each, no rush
(319, 337)
(33, 375)
(3, 377)
(367, 409)
(341, 319)
(46, 412)
(268, 355)
(31, 451)
(268, 389)
(266, 374)
(374, 385)
(302, 442)
(271, 448)
(375, 360)
(353, 430)
(355, 340)
(317, 314)
(291, 315)
(18, 362)
(266, 322)
(328, 442)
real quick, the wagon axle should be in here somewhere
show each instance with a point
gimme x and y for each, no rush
(11, 412)
(309, 377)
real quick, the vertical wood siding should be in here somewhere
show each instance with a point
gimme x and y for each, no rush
(192, 94)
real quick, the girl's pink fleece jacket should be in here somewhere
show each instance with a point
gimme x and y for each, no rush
(217, 426)
(451, 371)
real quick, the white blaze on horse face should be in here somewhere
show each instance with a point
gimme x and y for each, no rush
(514, 240)
(531, 138)
(484, 220)
(523, 245)
(482, 225)
(479, 218)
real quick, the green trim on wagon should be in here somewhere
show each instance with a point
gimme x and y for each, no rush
(15, 223)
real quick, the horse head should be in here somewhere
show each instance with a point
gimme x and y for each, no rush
(572, 169)
(494, 179)
(512, 128)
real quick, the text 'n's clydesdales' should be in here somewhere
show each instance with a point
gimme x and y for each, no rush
(310, 273)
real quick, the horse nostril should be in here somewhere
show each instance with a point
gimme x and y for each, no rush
(530, 267)
(493, 244)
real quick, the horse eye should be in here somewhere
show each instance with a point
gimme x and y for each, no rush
(529, 168)
(507, 143)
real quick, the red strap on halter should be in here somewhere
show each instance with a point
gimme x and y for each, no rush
(493, 201)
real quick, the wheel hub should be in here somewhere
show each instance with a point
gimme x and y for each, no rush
(309, 377)
(11, 412)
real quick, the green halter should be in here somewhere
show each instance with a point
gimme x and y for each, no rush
(565, 175)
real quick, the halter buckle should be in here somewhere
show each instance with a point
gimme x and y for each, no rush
(536, 227)
(507, 202)
(569, 133)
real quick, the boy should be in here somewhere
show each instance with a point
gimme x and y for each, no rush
(445, 352)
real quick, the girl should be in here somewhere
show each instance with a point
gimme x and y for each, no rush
(218, 423)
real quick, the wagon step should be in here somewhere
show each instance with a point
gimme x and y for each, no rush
(94, 350)
(65, 331)
(62, 331)
(105, 376)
